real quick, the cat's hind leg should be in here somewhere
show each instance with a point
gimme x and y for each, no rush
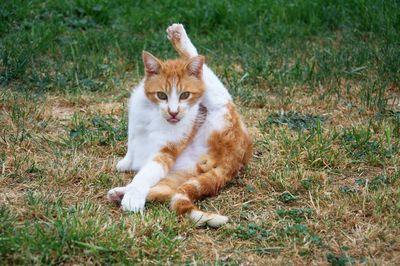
(181, 42)
(205, 164)
(207, 184)
(164, 190)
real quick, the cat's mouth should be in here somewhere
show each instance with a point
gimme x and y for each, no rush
(173, 120)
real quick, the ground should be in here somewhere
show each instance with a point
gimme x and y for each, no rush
(317, 84)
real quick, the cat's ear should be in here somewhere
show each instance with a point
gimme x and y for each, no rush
(152, 65)
(195, 66)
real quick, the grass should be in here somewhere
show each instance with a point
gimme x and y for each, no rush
(317, 83)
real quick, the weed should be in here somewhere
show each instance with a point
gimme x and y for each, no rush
(339, 260)
(293, 120)
(362, 145)
(377, 182)
(99, 130)
(348, 189)
(253, 231)
(287, 197)
(295, 214)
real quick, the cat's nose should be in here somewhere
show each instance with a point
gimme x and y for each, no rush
(173, 114)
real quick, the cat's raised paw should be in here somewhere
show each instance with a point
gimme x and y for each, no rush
(177, 35)
(176, 32)
(116, 194)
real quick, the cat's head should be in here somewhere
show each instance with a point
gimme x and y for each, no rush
(176, 86)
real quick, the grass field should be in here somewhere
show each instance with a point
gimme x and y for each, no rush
(317, 83)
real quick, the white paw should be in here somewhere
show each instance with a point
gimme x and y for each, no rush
(125, 164)
(211, 219)
(176, 32)
(217, 220)
(177, 35)
(116, 194)
(134, 200)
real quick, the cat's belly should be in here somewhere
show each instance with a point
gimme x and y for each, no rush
(191, 155)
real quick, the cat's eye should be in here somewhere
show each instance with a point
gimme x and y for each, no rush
(184, 95)
(162, 96)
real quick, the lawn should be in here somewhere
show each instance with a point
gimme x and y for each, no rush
(317, 83)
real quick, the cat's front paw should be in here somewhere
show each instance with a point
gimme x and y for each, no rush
(125, 165)
(116, 194)
(134, 200)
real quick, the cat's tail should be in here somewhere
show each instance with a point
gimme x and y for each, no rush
(207, 184)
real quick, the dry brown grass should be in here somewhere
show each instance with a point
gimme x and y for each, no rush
(359, 223)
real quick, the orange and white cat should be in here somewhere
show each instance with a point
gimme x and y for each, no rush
(185, 137)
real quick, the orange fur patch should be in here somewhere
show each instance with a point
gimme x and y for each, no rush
(229, 150)
(176, 73)
(167, 186)
(205, 164)
(182, 206)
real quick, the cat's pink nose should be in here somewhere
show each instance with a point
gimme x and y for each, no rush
(173, 114)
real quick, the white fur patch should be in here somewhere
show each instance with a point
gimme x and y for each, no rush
(149, 175)
(173, 101)
(125, 164)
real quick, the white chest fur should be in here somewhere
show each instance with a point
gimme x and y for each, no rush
(151, 132)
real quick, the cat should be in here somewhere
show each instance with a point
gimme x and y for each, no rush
(186, 139)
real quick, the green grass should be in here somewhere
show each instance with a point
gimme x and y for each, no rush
(317, 83)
